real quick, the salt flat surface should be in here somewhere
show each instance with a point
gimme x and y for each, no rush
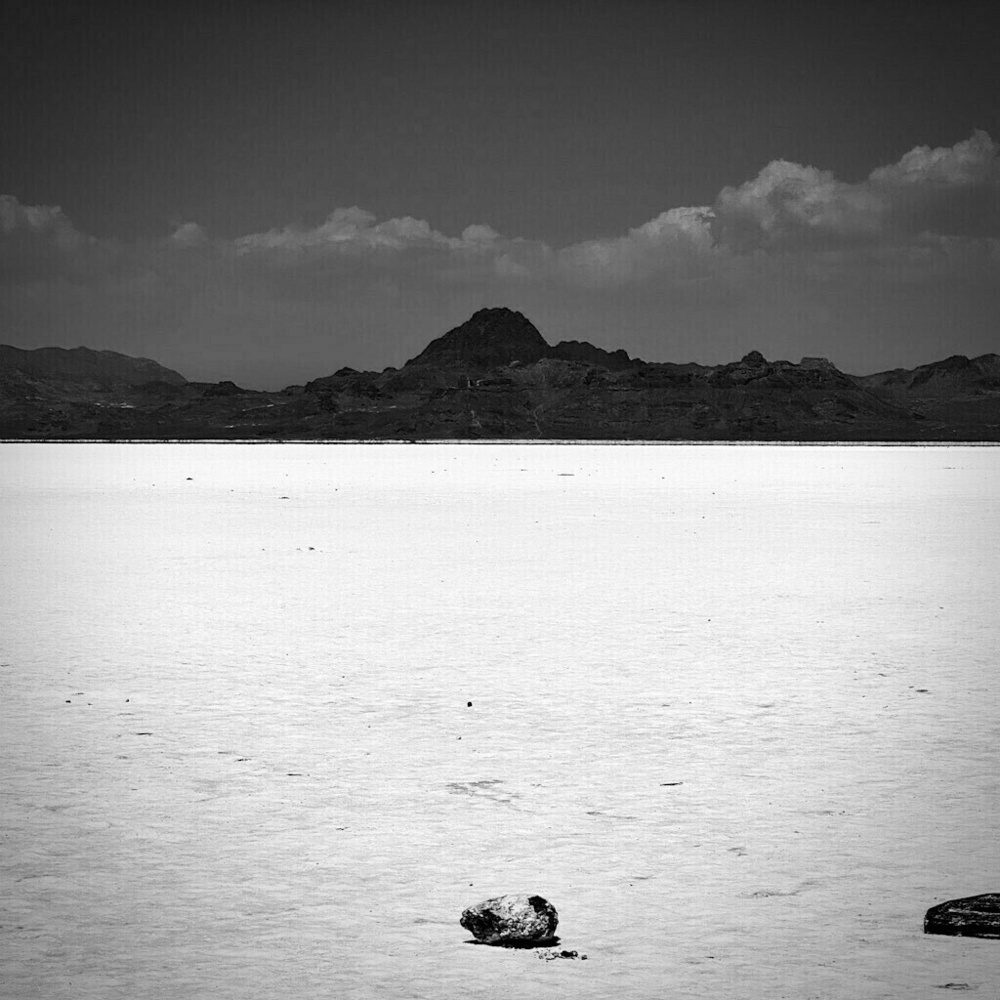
(734, 710)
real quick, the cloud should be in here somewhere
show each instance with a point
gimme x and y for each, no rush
(45, 222)
(355, 230)
(972, 161)
(188, 234)
(790, 204)
(953, 191)
(38, 242)
(479, 236)
(672, 241)
(786, 207)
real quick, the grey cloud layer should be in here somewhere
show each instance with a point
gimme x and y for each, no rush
(918, 211)
(932, 211)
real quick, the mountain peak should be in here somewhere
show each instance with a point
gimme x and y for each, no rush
(489, 338)
(496, 314)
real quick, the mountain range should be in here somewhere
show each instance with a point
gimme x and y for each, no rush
(496, 377)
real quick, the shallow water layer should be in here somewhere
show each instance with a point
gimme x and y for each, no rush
(272, 716)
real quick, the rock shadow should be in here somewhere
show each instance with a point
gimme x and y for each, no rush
(549, 942)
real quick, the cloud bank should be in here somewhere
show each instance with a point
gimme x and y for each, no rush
(928, 197)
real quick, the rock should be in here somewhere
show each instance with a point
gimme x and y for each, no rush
(514, 920)
(822, 364)
(226, 388)
(971, 916)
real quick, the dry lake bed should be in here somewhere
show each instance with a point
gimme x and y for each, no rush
(272, 716)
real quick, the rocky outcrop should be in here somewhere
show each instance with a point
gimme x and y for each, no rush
(971, 916)
(490, 339)
(582, 351)
(227, 388)
(512, 921)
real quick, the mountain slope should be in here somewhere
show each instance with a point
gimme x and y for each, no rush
(957, 375)
(81, 364)
(953, 394)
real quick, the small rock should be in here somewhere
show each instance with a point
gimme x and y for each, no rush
(971, 916)
(511, 920)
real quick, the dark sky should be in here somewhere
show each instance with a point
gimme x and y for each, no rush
(268, 190)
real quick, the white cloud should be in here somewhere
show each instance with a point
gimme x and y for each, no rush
(969, 162)
(354, 229)
(788, 202)
(787, 206)
(671, 241)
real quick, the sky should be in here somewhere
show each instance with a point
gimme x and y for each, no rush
(268, 190)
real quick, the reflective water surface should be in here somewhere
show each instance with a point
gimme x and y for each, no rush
(272, 716)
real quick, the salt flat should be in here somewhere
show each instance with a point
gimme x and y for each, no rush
(734, 711)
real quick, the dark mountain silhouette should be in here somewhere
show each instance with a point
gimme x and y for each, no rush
(81, 364)
(580, 350)
(496, 337)
(952, 376)
(496, 377)
(491, 338)
(955, 392)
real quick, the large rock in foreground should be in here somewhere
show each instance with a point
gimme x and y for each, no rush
(972, 916)
(512, 921)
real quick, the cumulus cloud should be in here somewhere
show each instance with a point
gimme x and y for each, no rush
(972, 161)
(479, 236)
(790, 203)
(671, 241)
(952, 191)
(354, 229)
(948, 191)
